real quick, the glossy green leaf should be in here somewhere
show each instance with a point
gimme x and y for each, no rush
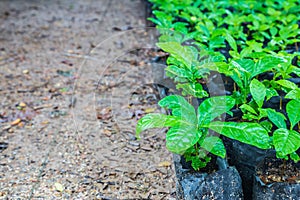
(271, 92)
(265, 64)
(221, 67)
(180, 138)
(155, 120)
(273, 31)
(193, 89)
(214, 107)
(258, 91)
(231, 41)
(249, 133)
(286, 141)
(248, 108)
(177, 71)
(185, 54)
(293, 112)
(295, 157)
(180, 108)
(267, 125)
(277, 118)
(214, 145)
(295, 70)
(241, 75)
(242, 65)
(287, 84)
(262, 113)
(293, 94)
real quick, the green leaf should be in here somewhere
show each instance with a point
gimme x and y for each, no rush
(273, 31)
(185, 54)
(221, 67)
(249, 133)
(243, 65)
(180, 138)
(180, 72)
(286, 141)
(248, 108)
(194, 89)
(293, 94)
(180, 108)
(214, 107)
(156, 120)
(287, 84)
(265, 64)
(231, 41)
(267, 125)
(277, 118)
(262, 113)
(241, 75)
(271, 92)
(295, 69)
(293, 112)
(258, 91)
(214, 145)
(295, 157)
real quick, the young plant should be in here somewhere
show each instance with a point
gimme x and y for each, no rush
(286, 141)
(253, 110)
(244, 70)
(189, 133)
(182, 68)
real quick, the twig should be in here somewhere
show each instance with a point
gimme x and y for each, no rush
(79, 56)
(42, 106)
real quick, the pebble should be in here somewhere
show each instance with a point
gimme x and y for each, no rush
(134, 143)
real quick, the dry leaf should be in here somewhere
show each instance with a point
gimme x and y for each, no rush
(15, 122)
(104, 114)
(150, 110)
(164, 164)
(107, 132)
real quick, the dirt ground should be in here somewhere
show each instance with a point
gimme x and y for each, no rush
(75, 76)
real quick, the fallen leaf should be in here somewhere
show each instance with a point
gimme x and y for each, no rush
(15, 122)
(150, 110)
(59, 187)
(104, 114)
(164, 164)
(107, 132)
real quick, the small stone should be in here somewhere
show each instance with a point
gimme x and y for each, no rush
(25, 71)
(134, 143)
(11, 130)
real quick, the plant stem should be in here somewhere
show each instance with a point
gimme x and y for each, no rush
(190, 99)
(280, 103)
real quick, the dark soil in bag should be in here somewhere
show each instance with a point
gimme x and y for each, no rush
(245, 158)
(222, 184)
(276, 179)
